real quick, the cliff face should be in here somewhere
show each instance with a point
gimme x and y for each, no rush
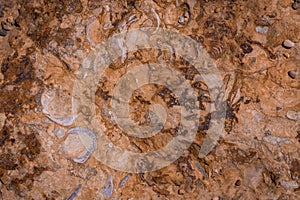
(64, 119)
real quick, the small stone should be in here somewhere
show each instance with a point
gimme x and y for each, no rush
(293, 74)
(217, 10)
(262, 29)
(181, 191)
(3, 32)
(201, 169)
(181, 20)
(74, 194)
(238, 183)
(288, 44)
(295, 5)
(108, 188)
(124, 180)
(289, 184)
(275, 140)
(285, 54)
(293, 115)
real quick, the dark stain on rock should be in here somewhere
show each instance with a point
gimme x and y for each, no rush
(246, 48)
(8, 162)
(204, 126)
(18, 73)
(73, 6)
(168, 97)
(189, 72)
(18, 184)
(32, 148)
(4, 136)
(103, 94)
(231, 117)
(295, 169)
(241, 156)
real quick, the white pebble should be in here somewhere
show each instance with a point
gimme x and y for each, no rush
(288, 44)
(289, 184)
(275, 140)
(262, 29)
(293, 115)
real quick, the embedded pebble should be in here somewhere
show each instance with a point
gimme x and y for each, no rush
(74, 194)
(289, 184)
(293, 115)
(108, 188)
(285, 54)
(293, 74)
(3, 32)
(288, 44)
(275, 140)
(79, 145)
(201, 169)
(181, 20)
(295, 5)
(217, 10)
(59, 132)
(124, 180)
(262, 29)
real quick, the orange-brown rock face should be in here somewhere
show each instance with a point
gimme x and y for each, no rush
(162, 99)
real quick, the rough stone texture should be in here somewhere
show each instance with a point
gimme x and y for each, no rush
(43, 43)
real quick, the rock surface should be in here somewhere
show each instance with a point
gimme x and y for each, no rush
(43, 44)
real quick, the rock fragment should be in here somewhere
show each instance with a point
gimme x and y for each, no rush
(108, 188)
(217, 10)
(293, 115)
(262, 29)
(124, 180)
(294, 74)
(288, 44)
(289, 184)
(3, 32)
(201, 169)
(74, 194)
(286, 55)
(275, 140)
(295, 5)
